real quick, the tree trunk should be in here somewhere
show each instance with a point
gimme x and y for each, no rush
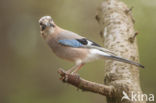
(117, 31)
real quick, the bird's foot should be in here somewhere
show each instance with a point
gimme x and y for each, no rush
(68, 71)
(75, 73)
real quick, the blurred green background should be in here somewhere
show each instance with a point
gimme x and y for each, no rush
(28, 68)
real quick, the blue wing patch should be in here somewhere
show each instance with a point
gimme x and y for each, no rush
(71, 42)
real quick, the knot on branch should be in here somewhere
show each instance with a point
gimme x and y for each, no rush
(131, 39)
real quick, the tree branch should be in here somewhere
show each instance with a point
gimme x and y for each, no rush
(85, 85)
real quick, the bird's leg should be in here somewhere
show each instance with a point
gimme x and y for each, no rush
(73, 68)
(78, 68)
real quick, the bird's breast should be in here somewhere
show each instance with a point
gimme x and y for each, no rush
(68, 53)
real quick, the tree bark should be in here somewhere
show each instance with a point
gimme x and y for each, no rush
(117, 31)
(118, 34)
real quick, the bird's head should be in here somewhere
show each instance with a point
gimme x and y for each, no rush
(47, 25)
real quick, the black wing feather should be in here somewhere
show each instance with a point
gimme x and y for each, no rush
(84, 41)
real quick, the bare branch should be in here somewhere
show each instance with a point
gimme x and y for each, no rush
(85, 85)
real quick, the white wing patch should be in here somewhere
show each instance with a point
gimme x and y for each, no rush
(95, 54)
(89, 43)
(98, 52)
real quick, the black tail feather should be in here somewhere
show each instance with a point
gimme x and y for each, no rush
(126, 61)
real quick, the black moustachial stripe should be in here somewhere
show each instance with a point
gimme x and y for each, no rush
(85, 42)
(52, 25)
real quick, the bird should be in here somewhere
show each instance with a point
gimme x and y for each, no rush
(73, 47)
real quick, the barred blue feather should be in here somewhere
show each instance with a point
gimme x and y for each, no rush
(72, 43)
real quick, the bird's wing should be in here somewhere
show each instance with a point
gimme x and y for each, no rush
(83, 43)
(70, 42)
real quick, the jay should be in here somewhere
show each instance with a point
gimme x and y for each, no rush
(73, 47)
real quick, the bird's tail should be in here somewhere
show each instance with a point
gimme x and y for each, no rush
(125, 61)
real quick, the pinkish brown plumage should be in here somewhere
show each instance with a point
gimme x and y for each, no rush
(73, 47)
